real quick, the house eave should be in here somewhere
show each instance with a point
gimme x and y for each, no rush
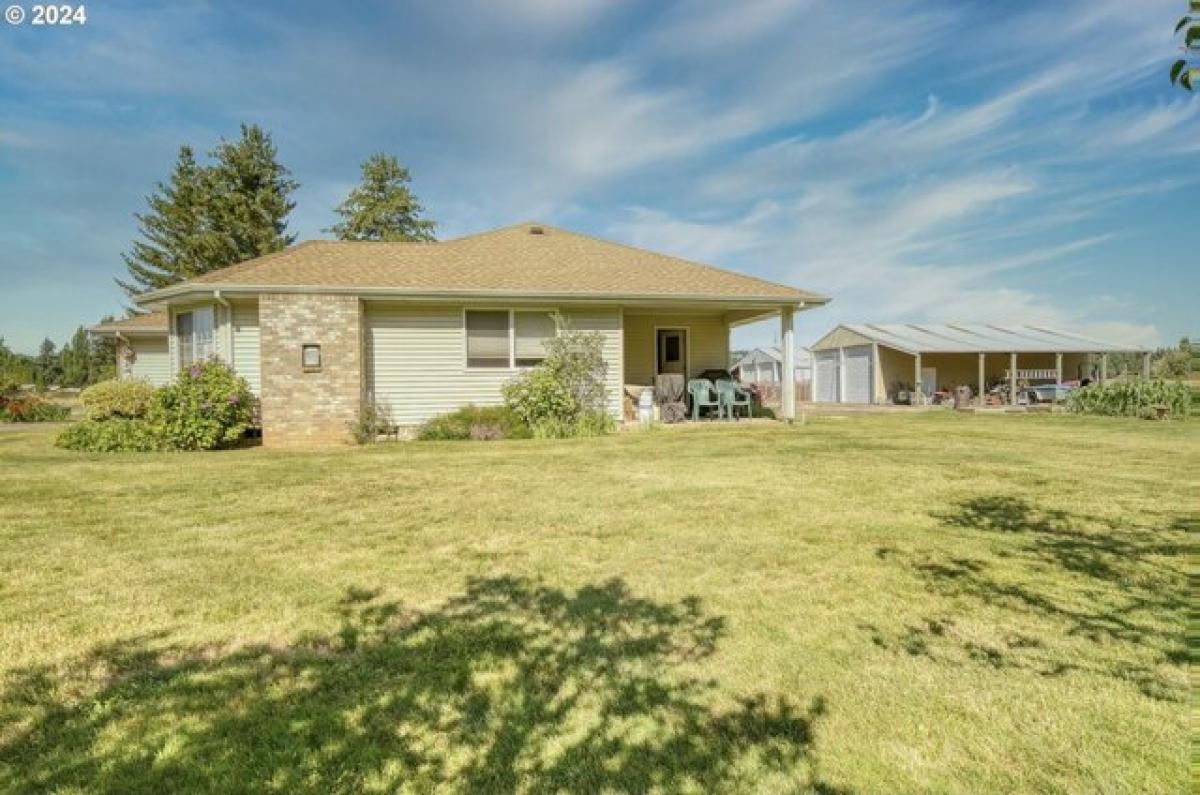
(774, 302)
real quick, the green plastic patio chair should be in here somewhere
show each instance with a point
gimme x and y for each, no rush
(701, 392)
(732, 396)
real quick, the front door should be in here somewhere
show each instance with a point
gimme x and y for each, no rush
(672, 351)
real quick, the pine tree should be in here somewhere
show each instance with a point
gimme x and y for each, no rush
(74, 359)
(251, 197)
(382, 207)
(47, 369)
(210, 216)
(102, 357)
(176, 243)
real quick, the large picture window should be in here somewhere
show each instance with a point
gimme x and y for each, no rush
(194, 333)
(507, 338)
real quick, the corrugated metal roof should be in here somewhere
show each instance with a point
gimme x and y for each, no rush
(976, 338)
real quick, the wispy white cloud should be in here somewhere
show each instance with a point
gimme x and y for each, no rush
(913, 168)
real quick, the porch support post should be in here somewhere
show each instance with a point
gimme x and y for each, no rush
(1057, 375)
(979, 399)
(842, 375)
(1103, 368)
(916, 378)
(1012, 379)
(877, 391)
(1146, 364)
(786, 322)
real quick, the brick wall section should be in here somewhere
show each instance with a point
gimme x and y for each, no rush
(310, 408)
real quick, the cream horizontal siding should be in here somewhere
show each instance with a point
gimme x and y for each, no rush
(416, 357)
(708, 344)
(151, 360)
(607, 323)
(247, 355)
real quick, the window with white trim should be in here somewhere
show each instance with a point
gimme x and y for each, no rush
(507, 338)
(194, 333)
(530, 332)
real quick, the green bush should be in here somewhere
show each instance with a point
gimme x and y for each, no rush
(595, 423)
(481, 423)
(540, 396)
(371, 422)
(208, 406)
(564, 395)
(110, 436)
(1133, 397)
(130, 400)
(32, 409)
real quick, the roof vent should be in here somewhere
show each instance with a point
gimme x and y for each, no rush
(536, 230)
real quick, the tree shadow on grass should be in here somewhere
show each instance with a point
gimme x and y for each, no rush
(510, 686)
(1122, 587)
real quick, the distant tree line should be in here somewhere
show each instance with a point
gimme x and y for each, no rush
(1181, 361)
(82, 360)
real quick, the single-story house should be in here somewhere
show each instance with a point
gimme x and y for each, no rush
(324, 328)
(142, 347)
(764, 366)
(872, 363)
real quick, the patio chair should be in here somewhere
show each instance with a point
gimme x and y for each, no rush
(732, 396)
(701, 392)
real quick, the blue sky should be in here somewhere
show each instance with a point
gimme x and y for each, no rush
(943, 161)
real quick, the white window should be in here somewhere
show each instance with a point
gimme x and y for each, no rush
(488, 341)
(194, 332)
(507, 338)
(531, 330)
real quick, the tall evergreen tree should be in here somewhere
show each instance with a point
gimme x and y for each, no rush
(209, 216)
(382, 207)
(74, 359)
(177, 243)
(102, 357)
(47, 370)
(251, 196)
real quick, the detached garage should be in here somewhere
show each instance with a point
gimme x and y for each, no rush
(908, 363)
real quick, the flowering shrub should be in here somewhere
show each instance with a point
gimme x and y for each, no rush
(118, 400)
(31, 409)
(208, 406)
(110, 436)
(565, 394)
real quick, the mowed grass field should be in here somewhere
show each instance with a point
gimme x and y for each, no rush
(924, 603)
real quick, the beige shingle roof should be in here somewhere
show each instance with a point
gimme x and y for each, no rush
(512, 259)
(147, 323)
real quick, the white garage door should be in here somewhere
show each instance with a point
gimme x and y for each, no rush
(858, 374)
(827, 377)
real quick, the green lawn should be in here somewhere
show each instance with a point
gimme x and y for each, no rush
(925, 603)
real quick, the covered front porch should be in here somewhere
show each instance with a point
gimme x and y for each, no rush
(693, 342)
